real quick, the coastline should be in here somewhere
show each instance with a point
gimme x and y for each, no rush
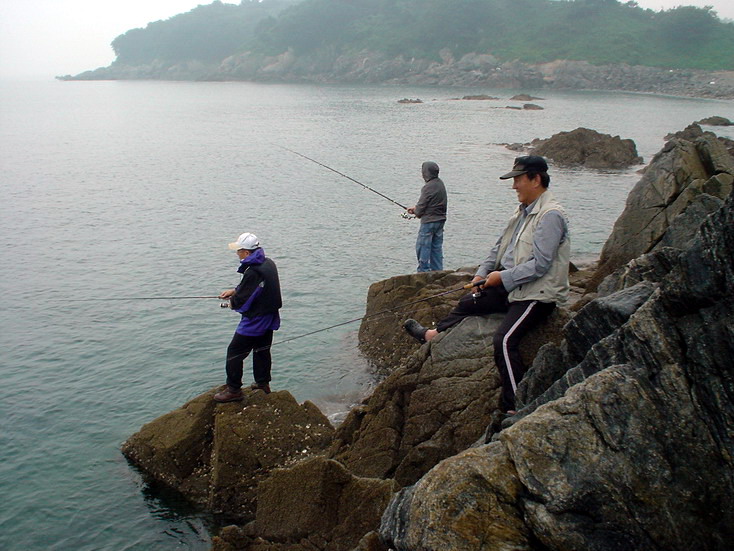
(472, 70)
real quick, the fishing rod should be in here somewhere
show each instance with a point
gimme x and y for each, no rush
(223, 304)
(365, 186)
(382, 312)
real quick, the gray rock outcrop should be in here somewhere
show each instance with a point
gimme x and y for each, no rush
(587, 148)
(676, 178)
(715, 121)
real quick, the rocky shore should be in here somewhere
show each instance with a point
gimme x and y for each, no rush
(474, 69)
(624, 438)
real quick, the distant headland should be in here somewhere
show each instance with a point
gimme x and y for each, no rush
(586, 44)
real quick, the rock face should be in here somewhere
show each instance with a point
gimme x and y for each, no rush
(588, 148)
(690, 165)
(216, 454)
(631, 448)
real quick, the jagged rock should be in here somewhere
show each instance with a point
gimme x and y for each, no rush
(682, 229)
(584, 147)
(648, 267)
(683, 170)
(635, 455)
(319, 498)
(436, 404)
(716, 121)
(216, 454)
(550, 364)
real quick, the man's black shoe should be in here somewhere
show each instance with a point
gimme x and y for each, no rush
(229, 394)
(265, 387)
(415, 330)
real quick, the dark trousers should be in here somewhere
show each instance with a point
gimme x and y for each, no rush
(521, 317)
(239, 349)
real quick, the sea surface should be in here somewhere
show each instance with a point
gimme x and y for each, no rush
(115, 190)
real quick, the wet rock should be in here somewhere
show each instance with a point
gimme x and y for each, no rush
(320, 498)
(217, 454)
(410, 100)
(683, 170)
(532, 107)
(588, 148)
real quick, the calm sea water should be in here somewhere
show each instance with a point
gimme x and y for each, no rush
(133, 189)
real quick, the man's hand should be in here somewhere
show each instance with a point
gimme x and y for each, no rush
(227, 294)
(493, 280)
(410, 210)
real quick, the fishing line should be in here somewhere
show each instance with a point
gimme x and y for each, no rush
(365, 186)
(133, 298)
(394, 310)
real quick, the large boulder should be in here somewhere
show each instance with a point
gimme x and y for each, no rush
(319, 499)
(217, 454)
(691, 164)
(434, 405)
(391, 301)
(635, 454)
(587, 148)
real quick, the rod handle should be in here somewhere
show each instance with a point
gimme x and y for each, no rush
(475, 284)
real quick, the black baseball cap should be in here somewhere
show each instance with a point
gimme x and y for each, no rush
(526, 163)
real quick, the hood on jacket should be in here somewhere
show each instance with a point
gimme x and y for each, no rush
(429, 170)
(257, 257)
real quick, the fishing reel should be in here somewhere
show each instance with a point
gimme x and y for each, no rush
(225, 304)
(407, 216)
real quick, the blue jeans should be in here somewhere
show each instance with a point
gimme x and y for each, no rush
(429, 246)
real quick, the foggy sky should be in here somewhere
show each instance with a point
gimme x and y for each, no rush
(45, 38)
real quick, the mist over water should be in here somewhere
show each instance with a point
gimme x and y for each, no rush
(134, 189)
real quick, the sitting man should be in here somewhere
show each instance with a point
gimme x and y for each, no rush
(524, 276)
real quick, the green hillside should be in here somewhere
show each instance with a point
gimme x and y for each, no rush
(598, 31)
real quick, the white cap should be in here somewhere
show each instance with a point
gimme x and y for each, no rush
(246, 241)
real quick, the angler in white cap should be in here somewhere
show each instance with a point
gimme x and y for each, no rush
(258, 299)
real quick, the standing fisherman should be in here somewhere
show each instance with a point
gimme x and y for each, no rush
(258, 299)
(431, 209)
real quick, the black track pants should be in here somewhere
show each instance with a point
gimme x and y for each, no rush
(521, 317)
(239, 349)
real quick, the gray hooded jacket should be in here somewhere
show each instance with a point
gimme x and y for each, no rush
(433, 202)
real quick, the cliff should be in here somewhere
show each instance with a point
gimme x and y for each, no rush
(624, 438)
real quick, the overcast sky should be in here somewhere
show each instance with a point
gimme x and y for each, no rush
(45, 38)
